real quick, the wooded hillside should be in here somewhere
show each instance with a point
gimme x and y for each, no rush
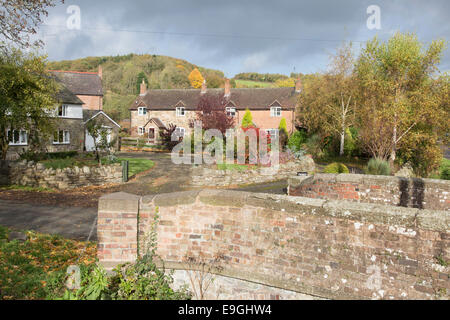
(123, 74)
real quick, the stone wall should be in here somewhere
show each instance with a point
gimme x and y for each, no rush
(396, 191)
(204, 176)
(4, 173)
(36, 175)
(286, 247)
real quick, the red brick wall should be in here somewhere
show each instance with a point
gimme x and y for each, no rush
(91, 102)
(413, 193)
(335, 250)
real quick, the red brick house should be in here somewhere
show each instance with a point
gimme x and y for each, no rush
(154, 110)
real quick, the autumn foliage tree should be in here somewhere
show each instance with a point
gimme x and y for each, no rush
(328, 101)
(399, 96)
(211, 111)
(19, 20)
(196, 79)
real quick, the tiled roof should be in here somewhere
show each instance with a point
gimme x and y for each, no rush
(64, 95)
(80, 83)
(242, 98)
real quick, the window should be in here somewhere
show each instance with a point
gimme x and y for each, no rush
(180, 132)
(181, 111)
(61, 137)
(141, 131)
(18, 138)
(142, 111)
(63, 111)
(231, 111)
(275, 112)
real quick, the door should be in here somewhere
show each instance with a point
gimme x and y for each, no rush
(151, 134)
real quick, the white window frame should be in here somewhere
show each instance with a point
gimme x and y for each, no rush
(180, 131)
(231, 111)
(142, 111)
(276, 112)
(181, 112)
(20, 142)
(64, 111)
(141, 131)
(65, 137)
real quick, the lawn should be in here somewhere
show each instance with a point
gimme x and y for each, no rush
(136, 166)
(36, 269)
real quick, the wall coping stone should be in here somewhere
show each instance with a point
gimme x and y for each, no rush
(364, 212)
(119, 202)
(361, 178)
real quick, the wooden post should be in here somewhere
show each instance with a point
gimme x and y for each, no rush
(125, 170)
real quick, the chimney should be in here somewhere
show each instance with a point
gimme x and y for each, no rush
(298, 85)
(100, 72)
(204, 88)
(227, 88)
(143, 87)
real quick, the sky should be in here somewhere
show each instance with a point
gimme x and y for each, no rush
(276, 36)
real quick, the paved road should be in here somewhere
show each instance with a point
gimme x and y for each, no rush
(73, 222)
(76, 222)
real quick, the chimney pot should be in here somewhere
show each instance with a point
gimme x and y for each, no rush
(204, 88)
(227, 88)
(143, 87)
(298, 85)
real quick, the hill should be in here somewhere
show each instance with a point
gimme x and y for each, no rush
(122, 76)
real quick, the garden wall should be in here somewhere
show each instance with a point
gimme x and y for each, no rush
(211, 177)
(396, 191)
(36, 175)
(281, 247)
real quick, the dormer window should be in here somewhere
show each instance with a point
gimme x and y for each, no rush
(181, 111)
(142, 111)
(63, 111)
(275, 112)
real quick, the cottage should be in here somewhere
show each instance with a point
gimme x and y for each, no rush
(154, 110)
(80, 101)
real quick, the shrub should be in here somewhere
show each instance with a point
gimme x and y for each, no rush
(336, 167)
(314, 146)
(296, 141)
(350, 143)
(445, 170)
(378, 167)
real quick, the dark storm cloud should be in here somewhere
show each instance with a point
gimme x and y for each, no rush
(236, 36)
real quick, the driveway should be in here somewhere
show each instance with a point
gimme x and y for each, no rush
(70, 222)
(72, 213)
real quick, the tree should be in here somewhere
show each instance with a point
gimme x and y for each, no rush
(166, 137)
(328, 102)
(196, 79)
(27, 98)
(283, 132)
(211, 111)
(247, 120)
(398, 92)
(19, 20)
(285, 83)
(99, 134)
